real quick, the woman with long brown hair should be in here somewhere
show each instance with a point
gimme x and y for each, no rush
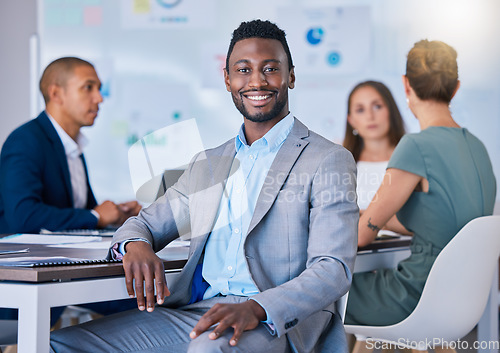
(374, 127)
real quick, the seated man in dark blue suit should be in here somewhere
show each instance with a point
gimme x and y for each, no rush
(43, 177)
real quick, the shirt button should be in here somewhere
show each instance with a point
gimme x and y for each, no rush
(251, 156)
(236, 230)
(229, 268)
(238, 191)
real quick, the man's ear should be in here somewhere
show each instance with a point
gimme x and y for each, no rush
(291, 79)
(226, 80)
(55, 93)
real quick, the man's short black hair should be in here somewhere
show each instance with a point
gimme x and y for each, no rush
(58, 72)
(259, 29)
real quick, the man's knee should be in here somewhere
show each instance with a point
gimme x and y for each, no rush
(203, 344)
(256, 341)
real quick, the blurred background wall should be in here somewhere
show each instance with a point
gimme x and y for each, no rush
(161, 63)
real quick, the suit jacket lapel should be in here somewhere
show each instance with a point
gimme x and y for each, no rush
(60, 153)
(278, 173)
(209, 197)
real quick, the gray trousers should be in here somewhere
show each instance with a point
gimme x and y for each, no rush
(163, 330)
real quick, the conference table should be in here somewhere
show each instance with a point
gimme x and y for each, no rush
(35, 290)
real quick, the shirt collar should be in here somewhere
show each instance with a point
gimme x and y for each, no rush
(273, 138)
(71, 148)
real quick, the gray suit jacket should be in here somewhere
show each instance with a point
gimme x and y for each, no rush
(301, 242)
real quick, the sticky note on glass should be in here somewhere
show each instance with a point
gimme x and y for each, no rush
(92, 15)
(141, 6)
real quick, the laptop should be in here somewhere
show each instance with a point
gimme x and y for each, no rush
(168, 179)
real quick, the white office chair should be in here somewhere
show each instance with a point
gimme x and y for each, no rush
(462, 271)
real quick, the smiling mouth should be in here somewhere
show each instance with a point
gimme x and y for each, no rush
(259, 98)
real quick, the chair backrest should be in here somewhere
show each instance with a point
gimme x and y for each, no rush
(341, 306)
(457, 288)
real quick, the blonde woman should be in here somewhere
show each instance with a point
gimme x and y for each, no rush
(437, 180)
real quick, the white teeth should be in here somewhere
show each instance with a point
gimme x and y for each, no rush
(258, 98)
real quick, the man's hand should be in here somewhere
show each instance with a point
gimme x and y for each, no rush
(241, 317)
(130, 208)
(109, 213)
(113, 214)
(145, 268)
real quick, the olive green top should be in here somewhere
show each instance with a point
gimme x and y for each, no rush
(462, 187)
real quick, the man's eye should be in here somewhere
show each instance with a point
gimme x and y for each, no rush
(243, 70)
(270, 69)
(359, 110)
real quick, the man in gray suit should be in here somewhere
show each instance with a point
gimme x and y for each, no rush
(272, 218)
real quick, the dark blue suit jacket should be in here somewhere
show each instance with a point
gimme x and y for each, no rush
(35, 185)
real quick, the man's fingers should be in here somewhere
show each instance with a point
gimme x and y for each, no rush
(219, 329)
(139, 292)
(144, 274)
(206, 321)
(129, 282)
(142, 284)
(241, 317)
(161, 284)
(236, 336)
(142, 279)
(150, 287)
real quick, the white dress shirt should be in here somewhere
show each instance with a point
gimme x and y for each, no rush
(74, 149)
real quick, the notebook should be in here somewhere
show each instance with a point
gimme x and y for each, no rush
(36, 261)
(105, 232)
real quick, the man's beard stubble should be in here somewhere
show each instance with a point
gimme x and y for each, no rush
(260, 117)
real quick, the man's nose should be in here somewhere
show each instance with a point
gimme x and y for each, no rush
(98, 97)
(257, 79)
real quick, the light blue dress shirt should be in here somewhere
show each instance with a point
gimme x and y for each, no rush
(224, 265)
